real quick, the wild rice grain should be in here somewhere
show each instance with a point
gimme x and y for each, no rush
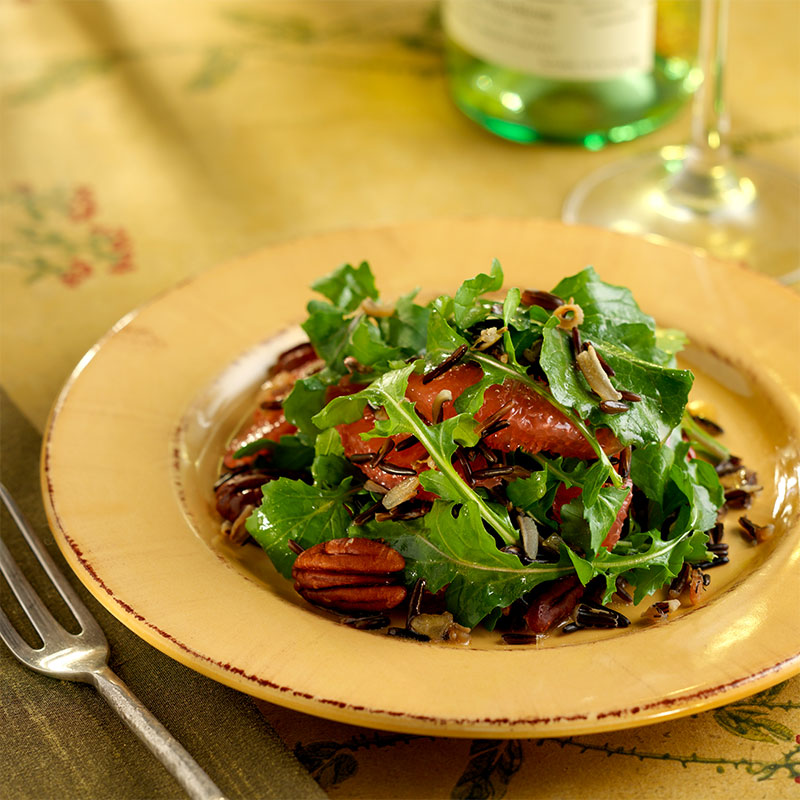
(624, 465)
(406, 633)
(492, 418)
(613, 407)
(492, 472)
(382, 452)
(396, 469)
(520, 638)
(603, 363)
(631, 397)
(536, 297)
(415, 602)
(361, 458)
(409, 441)
(447, 364)
(679, 582)
(366, 623)
(708, 425)
(577, 344)
(367, 514)
(622, 589)
(495, 427)
(756, 533)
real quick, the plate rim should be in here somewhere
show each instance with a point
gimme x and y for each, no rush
(612, 719)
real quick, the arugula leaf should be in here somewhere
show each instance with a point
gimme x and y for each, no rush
(535, 496)
(671, 341)
(684, 493)
(330, 467)
(328, 330)
(663, 390)
(348, 286)
(569, 471)
(290, 453)
(304, 401)
(650, 469)
(644, 560)
(368, 346)
(467, 309)
(294, 510)
(650, 577)
(626, 338)
(407, 328)
(593, 480)
(702, 442)
(441, 339)
(460, 554)
(510, 308)
(698, 482)
(525, 493)
(611, 315)
(454, 546)
(337, 329)
(586, 526)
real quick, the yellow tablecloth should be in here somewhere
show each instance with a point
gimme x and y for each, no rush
(142, 142)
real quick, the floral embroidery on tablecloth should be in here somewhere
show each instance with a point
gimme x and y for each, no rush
(768, 717)
(388, 38)
(58, 233)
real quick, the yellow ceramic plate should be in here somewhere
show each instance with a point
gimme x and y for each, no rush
(132, 445)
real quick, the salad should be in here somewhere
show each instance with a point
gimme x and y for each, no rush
(519, 463)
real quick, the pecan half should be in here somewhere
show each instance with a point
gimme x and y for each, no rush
(352, 574)
(238, 491)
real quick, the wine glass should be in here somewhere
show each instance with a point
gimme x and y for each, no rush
(701, 193)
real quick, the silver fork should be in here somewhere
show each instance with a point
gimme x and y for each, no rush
(83, 657)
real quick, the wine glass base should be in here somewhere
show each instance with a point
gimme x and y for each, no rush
(739, 210)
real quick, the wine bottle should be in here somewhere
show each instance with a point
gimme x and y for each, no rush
(586, 72)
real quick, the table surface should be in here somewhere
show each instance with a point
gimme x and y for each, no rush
(143, 143)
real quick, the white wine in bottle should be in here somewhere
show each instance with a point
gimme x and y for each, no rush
(585, 72)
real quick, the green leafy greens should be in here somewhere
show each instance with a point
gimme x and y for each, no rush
(468, 542)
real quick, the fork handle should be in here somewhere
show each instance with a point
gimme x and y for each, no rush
(158, 739)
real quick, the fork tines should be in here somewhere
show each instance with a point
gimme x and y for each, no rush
(54, 636)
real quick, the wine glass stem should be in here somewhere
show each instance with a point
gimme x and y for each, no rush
(710, 122)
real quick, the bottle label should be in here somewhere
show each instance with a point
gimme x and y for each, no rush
(586, 40)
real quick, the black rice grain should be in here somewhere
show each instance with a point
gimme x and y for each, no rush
(447, 364)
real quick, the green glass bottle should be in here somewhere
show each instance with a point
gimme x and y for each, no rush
(585, 72)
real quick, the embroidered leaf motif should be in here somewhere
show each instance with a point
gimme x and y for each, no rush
(752, 724)
(328, 762)
(492, 765)
(64, 74)
(749, 718)
(219, 64)
(332, 763)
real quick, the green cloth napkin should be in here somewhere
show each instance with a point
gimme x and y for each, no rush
(60, 739)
